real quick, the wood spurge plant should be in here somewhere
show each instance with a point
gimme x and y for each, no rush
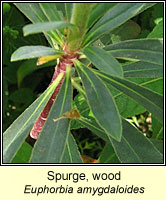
(116, 80)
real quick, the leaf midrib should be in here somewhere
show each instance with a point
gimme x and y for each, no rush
(102, 60)
(97, 98)
(147, 82)
(140, 70)
(132, 50)
(61, 112)
(118, 83)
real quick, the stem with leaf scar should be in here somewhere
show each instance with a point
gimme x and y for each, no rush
(61, 67)
(75, 36)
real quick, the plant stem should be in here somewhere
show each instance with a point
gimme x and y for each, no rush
(64, 62)
(43, 116)
(80, 16)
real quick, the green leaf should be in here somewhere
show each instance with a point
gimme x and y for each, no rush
(50, 146)
(98, 11)
(143, 69)
(146, 6)
(71, 154)
(44, 26)
(101, 102)
(152, 101)
(116, 16)
(134, 147)
(158, 144)
(147, 50)
(92, 125)
(157, 31)
(14, 136)
(127, 106)
(81, 105)
(23, 154)
(156, 85)
(52, 14)
(156, 127)
(34, 13)
(50, 11)
(103, 61)
(108, 155)
(68, 8)
(61, 9)
(160, 135)
(29, 52)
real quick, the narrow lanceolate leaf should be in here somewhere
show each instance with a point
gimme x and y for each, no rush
(147, 50)
(103, 61)
(35, 14)
(71, 154)
(50, 11)
(43, 27)
(98, 11)
(15, 135)
(157, 128)
(32, 11)
(101, 102)
(51, 144)
(29, 52)
(139, 149)
(143, 69)
(127, 106)
(152, 101)
(133, 142)
(68, 8)
(116, 16)
(158, 144)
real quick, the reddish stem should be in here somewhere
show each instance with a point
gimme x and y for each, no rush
(61, 67)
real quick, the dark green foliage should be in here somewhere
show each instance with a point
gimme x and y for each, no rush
(117, 83)
(13, 21)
